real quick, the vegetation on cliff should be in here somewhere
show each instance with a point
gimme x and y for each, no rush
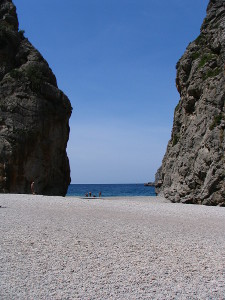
(193, 168)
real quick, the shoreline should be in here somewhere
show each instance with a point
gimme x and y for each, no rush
(136, 198)
(110, 248)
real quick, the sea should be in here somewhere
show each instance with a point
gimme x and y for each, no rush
(111, 190)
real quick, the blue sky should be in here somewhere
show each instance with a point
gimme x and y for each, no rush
(115, 60)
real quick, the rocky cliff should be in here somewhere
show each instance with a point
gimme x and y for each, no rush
(34, 116)
(193, 168)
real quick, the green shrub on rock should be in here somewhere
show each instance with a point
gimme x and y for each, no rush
(16, 74)
(212, 73)
(175, 139)
(36, 75)
(206, 58)
(217, 121)
(21, 33)
(195, 55)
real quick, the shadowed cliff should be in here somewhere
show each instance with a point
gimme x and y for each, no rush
(193, 168)
(34, 116)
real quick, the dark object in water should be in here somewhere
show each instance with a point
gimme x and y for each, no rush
(149, 184)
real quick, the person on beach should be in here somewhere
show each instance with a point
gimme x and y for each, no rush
(86, 195)
(99, 194)
(89, 194)
(32, 188)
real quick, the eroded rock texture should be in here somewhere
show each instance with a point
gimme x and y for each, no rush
(193, 168)
(34, 116)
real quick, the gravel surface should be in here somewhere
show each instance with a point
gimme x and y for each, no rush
(115, 248)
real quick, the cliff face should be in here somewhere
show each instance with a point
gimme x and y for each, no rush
(34, 116)
(193, 168)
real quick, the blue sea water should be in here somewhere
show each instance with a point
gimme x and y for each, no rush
(111, 190)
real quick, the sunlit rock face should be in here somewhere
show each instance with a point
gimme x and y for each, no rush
(193, 168)
(34, 116)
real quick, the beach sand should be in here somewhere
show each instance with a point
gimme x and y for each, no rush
(114, 248)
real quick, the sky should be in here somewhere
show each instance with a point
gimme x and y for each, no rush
(115, 60)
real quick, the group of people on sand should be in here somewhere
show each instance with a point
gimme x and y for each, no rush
(86, 195)
(94, 196)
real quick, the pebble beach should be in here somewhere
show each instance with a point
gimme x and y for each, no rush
(110, 248)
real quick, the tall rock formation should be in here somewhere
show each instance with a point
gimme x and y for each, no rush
(193, 168)
(34, 116)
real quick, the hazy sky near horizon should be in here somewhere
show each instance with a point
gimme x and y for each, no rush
(115, 60)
